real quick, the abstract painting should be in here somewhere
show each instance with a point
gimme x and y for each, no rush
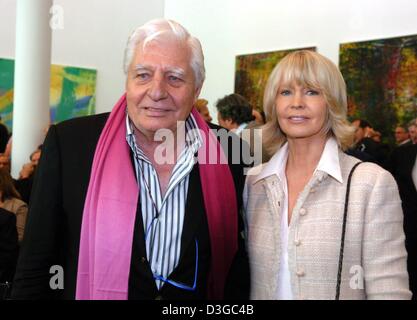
(72, 92)
(252, 72)
(381, 79)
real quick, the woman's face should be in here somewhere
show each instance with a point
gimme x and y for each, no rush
(301, 111)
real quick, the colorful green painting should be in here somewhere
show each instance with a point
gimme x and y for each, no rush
(252, 72)
(6, 91)
(72, 92)
(381, 79)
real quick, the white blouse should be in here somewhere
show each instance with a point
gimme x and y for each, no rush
(329, 163)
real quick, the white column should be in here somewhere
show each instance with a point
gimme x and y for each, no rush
(32, 78)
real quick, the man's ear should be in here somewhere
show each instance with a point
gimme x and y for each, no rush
(127, 78)
(229, 123)
(197, 94)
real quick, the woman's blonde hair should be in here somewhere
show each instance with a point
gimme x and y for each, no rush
(311, 70)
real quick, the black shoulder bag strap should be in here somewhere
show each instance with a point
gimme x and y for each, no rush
(342, 242)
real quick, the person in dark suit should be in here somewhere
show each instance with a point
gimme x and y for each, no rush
(402, 137)
(133, 205)
(365, 144)
(235, 113)
(402, 162)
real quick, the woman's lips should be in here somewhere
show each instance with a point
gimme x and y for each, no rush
(298, 119)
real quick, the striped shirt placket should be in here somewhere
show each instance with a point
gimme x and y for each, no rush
(163, 243)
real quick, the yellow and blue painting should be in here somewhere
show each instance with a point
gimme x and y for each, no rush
(72, 92)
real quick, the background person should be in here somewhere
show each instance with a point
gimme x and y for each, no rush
(10, 200)
(201, 106)
(235, 113)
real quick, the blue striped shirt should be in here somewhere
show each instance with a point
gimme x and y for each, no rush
(163, 234)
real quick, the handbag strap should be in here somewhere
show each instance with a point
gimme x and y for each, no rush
(342, 242)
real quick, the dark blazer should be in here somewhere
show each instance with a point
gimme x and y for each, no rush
(54, 221)
(401, 165)
(376, 151)
(8, 245)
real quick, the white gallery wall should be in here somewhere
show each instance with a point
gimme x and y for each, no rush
(95, 32)
(94, 35)
(228, 28)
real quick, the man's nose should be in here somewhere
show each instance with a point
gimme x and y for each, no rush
(157, 89)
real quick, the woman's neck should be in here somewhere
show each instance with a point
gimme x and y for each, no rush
(305, 154)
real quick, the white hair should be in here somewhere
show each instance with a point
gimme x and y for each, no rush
(154, 29)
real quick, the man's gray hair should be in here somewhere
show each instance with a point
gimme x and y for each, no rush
(154, 29)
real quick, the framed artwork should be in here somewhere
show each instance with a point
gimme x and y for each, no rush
(381, 79)
(72, 92)
(252, 72)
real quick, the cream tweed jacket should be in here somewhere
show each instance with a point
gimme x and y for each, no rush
(374, 264)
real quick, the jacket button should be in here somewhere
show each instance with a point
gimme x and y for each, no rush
(297, 242)
(303, 211)
(159, 298)
(300, 273)
(143, 259)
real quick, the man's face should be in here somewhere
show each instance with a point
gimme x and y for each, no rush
(400, 134)
(258, 117)
(161, 87)
(226, 123)
(35, 157)
(4, 162)
(359, 132)
(412, 130)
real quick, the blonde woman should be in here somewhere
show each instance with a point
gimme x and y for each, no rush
(294, 204)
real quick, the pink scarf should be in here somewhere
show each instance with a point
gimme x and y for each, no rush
(110, 211)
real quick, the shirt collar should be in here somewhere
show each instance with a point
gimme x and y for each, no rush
(328, 163)
(193, 136)
(276, 165)
(239, 129)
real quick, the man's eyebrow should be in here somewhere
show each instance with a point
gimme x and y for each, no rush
(141, 67)
(176, 70)
(167, 69)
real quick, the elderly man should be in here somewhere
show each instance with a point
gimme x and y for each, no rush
(412, 131)
(122, 222)
(402, 137)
